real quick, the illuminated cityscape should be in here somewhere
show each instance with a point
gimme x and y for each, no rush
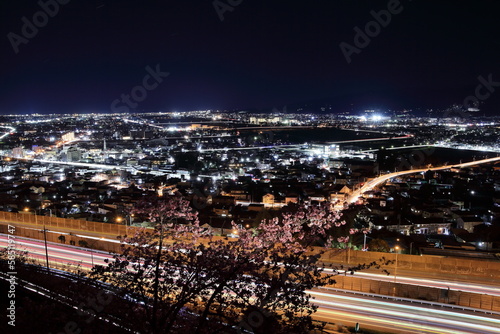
(233, 167)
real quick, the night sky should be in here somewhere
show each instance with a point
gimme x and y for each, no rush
(263, 54)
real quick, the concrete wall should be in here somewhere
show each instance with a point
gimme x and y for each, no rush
(436, 264)
(446, 296)
(63, 224)
(427, 263)
(53, 237)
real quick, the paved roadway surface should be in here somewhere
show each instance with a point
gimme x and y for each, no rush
(374, 313)
(474, 284)
(383, 178)
(398, 317)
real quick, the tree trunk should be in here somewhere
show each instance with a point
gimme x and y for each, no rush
(157, 282)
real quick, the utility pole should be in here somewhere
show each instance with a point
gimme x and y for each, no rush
(396, 269)
(45, 242)
(91, 256)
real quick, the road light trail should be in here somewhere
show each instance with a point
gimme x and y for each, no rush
(369, 139)
(376, 181)
(404, 318)
(488, 289)
(58, 253)
(61, 252)
(10, 128)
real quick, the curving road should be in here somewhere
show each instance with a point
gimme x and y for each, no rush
(383, 178)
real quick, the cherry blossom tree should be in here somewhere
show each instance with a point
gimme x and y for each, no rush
(178, 278)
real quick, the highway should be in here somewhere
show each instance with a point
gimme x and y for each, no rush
(399, 317)
(58, 253)
(369, 139)
(10, 130)
(63, 253)
(370, 312)
(396, 148)
(383, 178)
(480, 288)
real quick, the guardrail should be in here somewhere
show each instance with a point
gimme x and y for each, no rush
(65, 300)
(411, 301)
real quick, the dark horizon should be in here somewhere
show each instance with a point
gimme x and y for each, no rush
(85, 55)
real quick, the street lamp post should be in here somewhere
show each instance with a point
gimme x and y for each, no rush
(119, 220)
(396, 269)
(45, 242)
(91, 256)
